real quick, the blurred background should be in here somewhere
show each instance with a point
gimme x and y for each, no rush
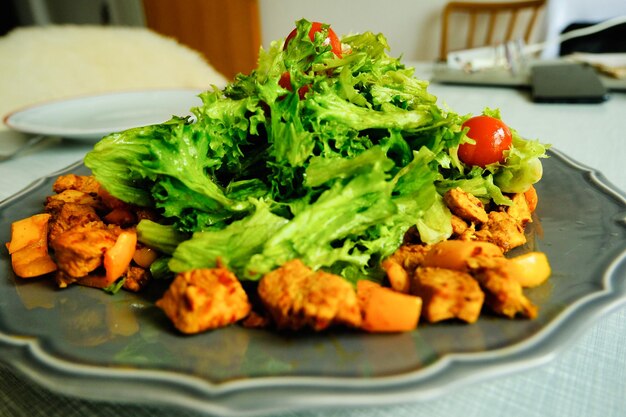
(229, 32)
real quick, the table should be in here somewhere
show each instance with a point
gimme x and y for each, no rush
(587, 378)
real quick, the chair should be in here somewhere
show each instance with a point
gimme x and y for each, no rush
(495, 13)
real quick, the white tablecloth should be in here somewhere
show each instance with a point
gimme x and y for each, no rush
(587, 378)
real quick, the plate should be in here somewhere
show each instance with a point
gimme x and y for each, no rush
(92, 117)
(84, 342)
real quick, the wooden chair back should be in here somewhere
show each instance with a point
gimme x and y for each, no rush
(495, 13)
(226, 32)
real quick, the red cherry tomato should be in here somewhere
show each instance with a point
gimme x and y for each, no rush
(332, 39)
(492, 138)
(285, 82)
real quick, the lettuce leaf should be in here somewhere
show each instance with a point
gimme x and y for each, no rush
(333, 170)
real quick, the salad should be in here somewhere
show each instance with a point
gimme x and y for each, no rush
(322, 161)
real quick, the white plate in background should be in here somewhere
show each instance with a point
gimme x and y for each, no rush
(92, 117)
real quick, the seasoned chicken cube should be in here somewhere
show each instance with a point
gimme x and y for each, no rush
(502, 230)
(136, 278)
(296, 297)
(401, 265)
(504, 293)
(55, 202)
(458, 225)
(71, 215)
(447, 294)
(85, 183)
(519, 210)
(79, 250)
(204, 299)
(63, 280)
(465, 205)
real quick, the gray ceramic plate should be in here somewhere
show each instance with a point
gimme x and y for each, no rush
(83, 342)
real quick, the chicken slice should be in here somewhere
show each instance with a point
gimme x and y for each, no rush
(55, 202)
(503, 230)
(447, 294)
(504, 293)
(204, 299)
(401, 265)
(85, 183)
(296, 297)
(520, 210)
(136, 278)
(465, 206)
(71, 215)
(79, 251)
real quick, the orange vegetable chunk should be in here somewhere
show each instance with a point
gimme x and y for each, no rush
(531, 198)
(454, 254)
(32, 261)
(29, 247)
(385, 310)
(28, 231)
(117, 258)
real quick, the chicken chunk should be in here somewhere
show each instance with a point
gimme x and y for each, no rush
(85, 183)
(503, 291)
(447, 294)
(520, 210)
(459, 226)
(55, 202)
(79, 250)
(296, 297)
(401, 265)
(136, 278)
(465, 206)
(71, 215)
(204, 299)
(503, 230)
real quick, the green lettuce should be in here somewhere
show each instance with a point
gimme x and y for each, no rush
(333, 170)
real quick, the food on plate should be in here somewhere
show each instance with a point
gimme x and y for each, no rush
(29, 247)
(203, 299)
(327, 185)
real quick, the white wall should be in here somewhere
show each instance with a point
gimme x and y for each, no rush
(412, 27)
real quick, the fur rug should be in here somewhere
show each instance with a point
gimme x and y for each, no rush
(45, 63)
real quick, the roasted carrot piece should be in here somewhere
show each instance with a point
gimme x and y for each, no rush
(531, 198)
(454, 254)
(28, 231)
(32, 261)
(118, 257)
(29, 247)
(385, 310)
(120, 216)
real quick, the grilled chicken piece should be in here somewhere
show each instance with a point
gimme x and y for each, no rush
(79, 250)
(503, 230)
(85, 183)
(503, 291)
(519, 210)
(55, 202)
(465, 206)
(136, 278)
(447, 294)
(459, 226)
(70, 215)
(401, 265)
(204, 299)
(296, 297)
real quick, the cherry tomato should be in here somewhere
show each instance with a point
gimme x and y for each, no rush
(492, 138)
(285, 82)
(332, 39)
